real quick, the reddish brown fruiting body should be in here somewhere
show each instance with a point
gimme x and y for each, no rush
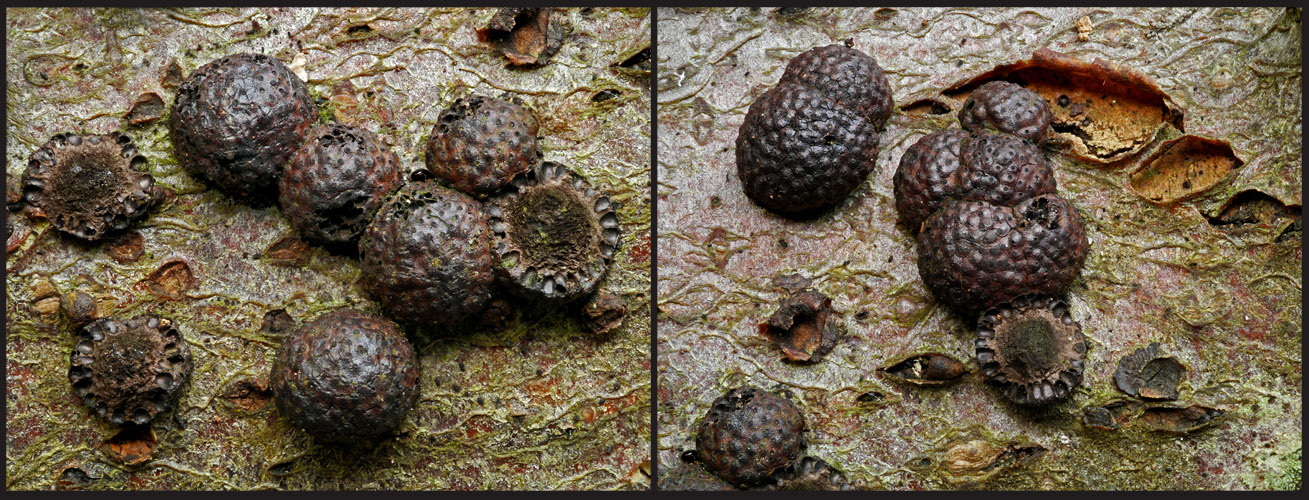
(236, 122)
(480, 143)
(1008, 108)
(749, 434)
(336, 181)
(346, 377)
(954, 164)
(974, 255)
(426, 256)
(811, 140)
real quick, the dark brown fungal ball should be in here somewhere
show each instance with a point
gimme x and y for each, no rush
(749, 434)
(974, 255)
(803, 327)
(850, 77)
(346, 377)
(554, 235)
(237, 120)
(128, 372)
(336, 181)
(799, 150)
(981, 166)
(1008, 108)
(1031, 349)
(480, 143)
(426, 256)
(88, 185)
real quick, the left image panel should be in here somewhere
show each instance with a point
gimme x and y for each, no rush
(328, 249)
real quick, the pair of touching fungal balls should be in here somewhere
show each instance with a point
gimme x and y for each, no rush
(428, 253)
(995, 239)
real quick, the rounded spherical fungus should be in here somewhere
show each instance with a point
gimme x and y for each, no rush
(749, 434)
(1031, 349)
(336, 181)
(426, 256)
(799, 150)
(88, 185)
(346, 377)
(237, 120)
(811, 140)
(974, 255)
(128, 372)
(480, 143)
(850, 77)
(554, 235)
(954, 164)
(1008, 108)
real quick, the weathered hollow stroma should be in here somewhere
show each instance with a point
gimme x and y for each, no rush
(88, 185)
(553, 235)
(128, 372)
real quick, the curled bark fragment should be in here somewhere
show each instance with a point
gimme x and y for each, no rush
(975, 461)
(1180, 420)
(603, 313)
(802, 327)
(127, 247)
(133, 445)
(524, 35)
(147, 108)
(1111, 415)
(171, 280)
(1183, 168)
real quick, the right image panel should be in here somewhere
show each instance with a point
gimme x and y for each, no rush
(979, 248)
